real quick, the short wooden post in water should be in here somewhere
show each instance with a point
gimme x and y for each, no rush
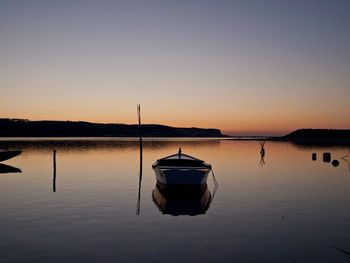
(54, 172)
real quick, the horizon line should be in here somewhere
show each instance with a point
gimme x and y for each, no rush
(231, 133)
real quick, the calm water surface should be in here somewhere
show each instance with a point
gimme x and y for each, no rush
(290, 209)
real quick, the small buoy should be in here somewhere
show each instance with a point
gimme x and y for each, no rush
(314, 156)
(327, 157)
(335, 163)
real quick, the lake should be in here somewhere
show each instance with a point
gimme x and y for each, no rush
(94, 208)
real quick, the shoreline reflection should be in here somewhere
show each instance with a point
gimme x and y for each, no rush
(81, 144)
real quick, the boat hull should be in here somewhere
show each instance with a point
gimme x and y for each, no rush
(181, 176)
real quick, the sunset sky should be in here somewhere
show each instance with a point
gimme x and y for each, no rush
(245, 67)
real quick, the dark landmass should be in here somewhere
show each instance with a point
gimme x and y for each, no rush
(319, 133)
(317, 137)
(308, 138)
(26, 128)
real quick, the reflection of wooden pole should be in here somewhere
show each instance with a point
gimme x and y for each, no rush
(140, 172)
(54, 172)
(262, 152)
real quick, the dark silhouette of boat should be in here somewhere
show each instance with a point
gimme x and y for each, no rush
(182, 200)
(5, 169)
(181, 169)
(5, 155)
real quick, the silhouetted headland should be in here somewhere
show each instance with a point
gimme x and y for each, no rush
(317, 137)
(307, 137)
(27, 128)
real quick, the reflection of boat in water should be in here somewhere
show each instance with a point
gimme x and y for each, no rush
(5, 155)
(181, 169)
(4, 169)
(182, 200)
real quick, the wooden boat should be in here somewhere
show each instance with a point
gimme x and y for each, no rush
(181, 169)
(5, 155)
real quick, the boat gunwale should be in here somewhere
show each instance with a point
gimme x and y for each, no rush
(205, 167)
(182, 154)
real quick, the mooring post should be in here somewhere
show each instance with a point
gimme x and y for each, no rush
(54, 172)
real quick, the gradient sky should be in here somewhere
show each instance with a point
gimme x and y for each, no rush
(246, 67)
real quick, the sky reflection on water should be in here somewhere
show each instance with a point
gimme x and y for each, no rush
(292, 209)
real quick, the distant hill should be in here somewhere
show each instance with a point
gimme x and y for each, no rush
(27, 128)
(318, 137)
(318, 134)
